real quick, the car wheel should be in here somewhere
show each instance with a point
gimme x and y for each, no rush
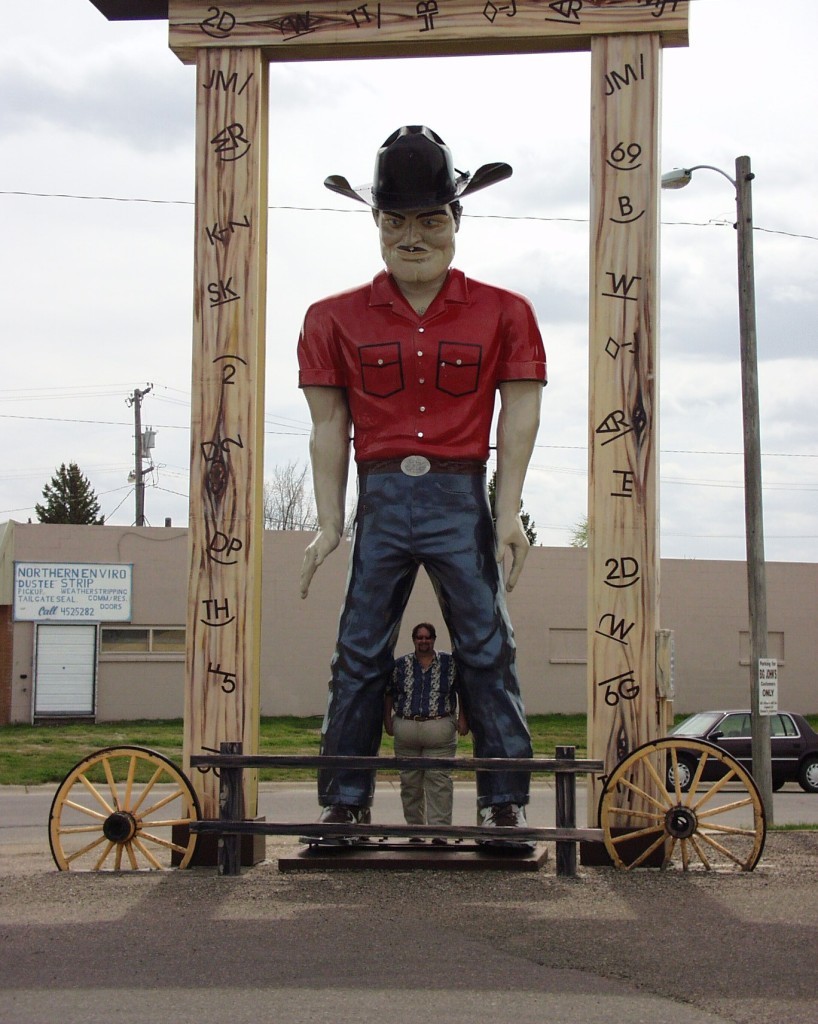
(808, 775)
(686, 769)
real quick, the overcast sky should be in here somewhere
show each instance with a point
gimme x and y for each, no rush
(96, 191)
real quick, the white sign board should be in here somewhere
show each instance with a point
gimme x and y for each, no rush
(72, 592)
(767, 686)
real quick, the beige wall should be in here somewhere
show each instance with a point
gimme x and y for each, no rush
(704, 602)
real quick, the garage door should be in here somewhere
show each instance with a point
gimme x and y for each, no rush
(66, 670)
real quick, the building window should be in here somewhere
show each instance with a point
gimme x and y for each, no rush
(168, 641)
(568, 646)
(775, 646)
(142, 640)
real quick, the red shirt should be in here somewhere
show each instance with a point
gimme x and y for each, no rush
(421, 385)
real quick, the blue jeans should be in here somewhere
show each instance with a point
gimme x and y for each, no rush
(441, 521)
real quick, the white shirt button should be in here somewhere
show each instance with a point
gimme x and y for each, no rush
(421, 330)
(422, 380)
(423, 408)
(420, 433)
(420, 353)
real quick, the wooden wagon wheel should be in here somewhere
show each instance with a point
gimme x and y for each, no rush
(702, 825)
(116, 810)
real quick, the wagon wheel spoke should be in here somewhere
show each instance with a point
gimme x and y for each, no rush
(85, 810)
(700, 853)
(109, 778)
(160, 803)
(86, 849)
(640, 792)
(721, 848)
(154, 779)
(728, 830)
(146, 853)
(95, 793)
(659, 782)
(111, 846)
(73, 830)
(715, 789)
(166, 843)
(634, 812)
(726, 808)
(113, 829)
(697, 776)
(638, 833)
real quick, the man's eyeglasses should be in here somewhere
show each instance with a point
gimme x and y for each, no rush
(419, 637)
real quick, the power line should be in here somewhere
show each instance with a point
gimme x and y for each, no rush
(332, 209)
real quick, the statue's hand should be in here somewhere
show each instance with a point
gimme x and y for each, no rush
(325, 542)
(511, 534)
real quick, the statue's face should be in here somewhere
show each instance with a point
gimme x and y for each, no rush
(417, 246)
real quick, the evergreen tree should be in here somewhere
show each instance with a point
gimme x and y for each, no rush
(69, 498)
(525, 517)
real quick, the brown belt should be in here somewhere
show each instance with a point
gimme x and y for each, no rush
(421, 718)
(459, 466)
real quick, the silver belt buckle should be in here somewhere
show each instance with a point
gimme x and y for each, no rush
(415, 465)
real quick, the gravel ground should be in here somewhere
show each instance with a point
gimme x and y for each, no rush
(722, 947)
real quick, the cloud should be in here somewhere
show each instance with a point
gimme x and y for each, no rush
(129, 102)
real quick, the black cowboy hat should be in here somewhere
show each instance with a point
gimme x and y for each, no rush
(414, 171)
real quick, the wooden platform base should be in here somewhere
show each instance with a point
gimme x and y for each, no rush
(386, 856)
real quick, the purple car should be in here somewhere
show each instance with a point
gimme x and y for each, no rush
(794, 747)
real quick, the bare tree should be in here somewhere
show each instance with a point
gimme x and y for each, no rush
(288, 500)
(579, 536)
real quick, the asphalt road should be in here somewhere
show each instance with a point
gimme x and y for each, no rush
(404, 947)
(24, 809)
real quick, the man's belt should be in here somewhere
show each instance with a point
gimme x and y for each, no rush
(422, 718)
(419, 465)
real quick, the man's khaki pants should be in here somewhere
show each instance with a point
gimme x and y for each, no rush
(426, 795)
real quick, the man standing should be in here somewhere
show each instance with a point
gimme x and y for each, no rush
(412, 361)
(421, 712)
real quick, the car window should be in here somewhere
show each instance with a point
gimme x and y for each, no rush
(696, 725)
(735, 725)
(782, 725)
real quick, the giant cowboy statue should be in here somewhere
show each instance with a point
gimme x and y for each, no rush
(410, 364)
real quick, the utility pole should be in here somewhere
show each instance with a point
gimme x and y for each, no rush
(753, 513)
(754, 523)
(135, 400)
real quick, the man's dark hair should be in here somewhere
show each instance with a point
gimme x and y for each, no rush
(430, 629)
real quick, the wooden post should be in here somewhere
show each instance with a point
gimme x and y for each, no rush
(623, 561)
(225, 537)
(231, 808)
(566, 794)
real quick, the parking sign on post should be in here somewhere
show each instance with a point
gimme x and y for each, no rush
(767, 686)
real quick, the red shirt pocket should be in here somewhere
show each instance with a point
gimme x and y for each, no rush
(458, 367)
(381, 370)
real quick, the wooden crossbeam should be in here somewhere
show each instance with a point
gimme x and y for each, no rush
(333, 30)
(496, 764)
(317, 830)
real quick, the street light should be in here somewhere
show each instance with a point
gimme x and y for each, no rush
(753, 514)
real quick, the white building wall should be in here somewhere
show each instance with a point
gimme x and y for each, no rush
(704, 602)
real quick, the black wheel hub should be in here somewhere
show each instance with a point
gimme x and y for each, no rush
(120, 827)
(681, 822)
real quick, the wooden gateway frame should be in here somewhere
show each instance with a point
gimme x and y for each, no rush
(231, 47)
